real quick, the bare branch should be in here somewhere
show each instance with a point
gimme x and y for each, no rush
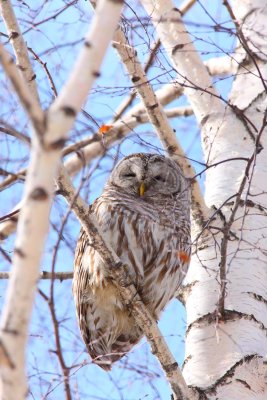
(9, 130)
(178, 44)
(19, 45)
(29, 103)
(62, 276)
(128, 101)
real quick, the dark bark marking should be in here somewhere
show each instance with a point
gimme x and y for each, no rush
(257, 297)
(135, 79)
(244, 383)
(177, 48)
(230, 373)
(171, 367)
(5, 357)
(177, 10)
(153, 106)
(117, 1)
(228, 316)
(32, 78)
(120, 134)
(21, 68)
(137, 117)
(204, 120)
(58, 144)
(69, 111)
(19, 252)
(96, 74)
(13, 35)
(171, 149)
(39, 194)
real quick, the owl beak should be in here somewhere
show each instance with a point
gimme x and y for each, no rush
(142, 189)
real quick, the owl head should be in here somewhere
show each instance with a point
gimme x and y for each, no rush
(147, 175)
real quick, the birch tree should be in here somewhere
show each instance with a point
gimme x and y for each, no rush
(225, 291)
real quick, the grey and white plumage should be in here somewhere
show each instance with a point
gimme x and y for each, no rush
(144, 215)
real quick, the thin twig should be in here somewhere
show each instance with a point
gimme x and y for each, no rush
(152, 54)
(19, 46)
(29, 102)
(228, 224)
(62, 276)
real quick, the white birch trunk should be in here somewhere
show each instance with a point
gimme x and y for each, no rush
(226, 300)
(227, 285)
(48, 140)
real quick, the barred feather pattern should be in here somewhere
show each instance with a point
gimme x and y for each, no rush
(149, 234)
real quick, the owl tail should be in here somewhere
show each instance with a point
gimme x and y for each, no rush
(105, 354)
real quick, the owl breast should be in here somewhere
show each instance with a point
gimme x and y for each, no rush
(149, 244)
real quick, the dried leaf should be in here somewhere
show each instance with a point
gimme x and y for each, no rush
(104, 129)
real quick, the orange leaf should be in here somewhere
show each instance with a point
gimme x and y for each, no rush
(105, 128)
(184, 257)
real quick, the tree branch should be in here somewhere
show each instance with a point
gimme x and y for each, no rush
(128, 101)
(178, 44)
(19, 46)
(29, 103)
(62, 276)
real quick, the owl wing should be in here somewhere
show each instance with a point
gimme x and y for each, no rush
(106, 327)
(81, 281)
(88, 313)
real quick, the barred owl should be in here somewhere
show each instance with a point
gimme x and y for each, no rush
(144, 215)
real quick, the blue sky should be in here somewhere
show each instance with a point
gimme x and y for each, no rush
(138, 376)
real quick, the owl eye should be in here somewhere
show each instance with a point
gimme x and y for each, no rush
(159, 178)
(129, 175)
